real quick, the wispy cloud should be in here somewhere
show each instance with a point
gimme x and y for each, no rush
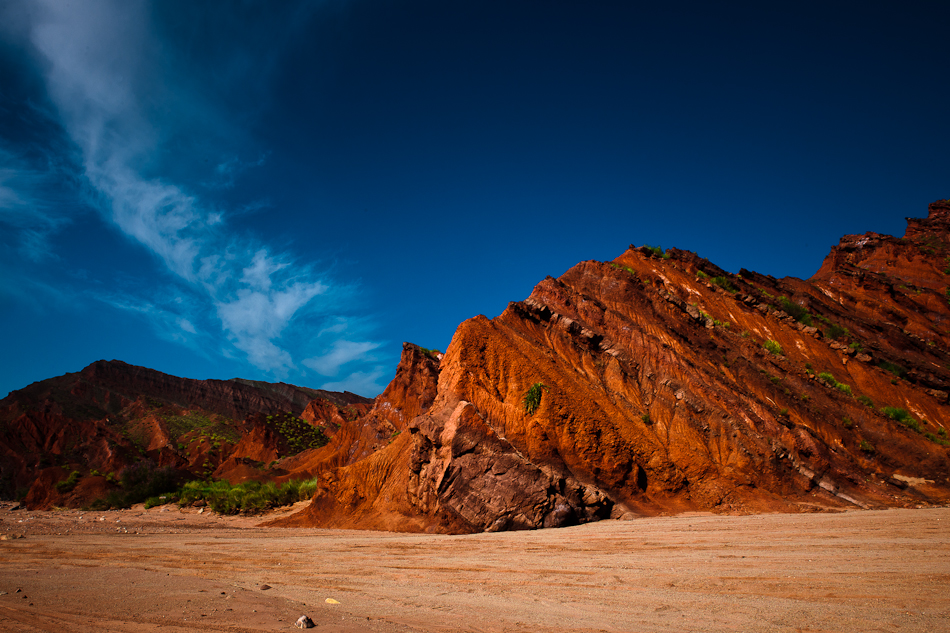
(105, 70)
(341, 353)
(226, 172)
(28, 211)
(255, 318)
(168, 323)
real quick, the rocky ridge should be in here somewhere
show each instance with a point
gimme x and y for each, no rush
(655, 383)
(112, 415)
(667, 384)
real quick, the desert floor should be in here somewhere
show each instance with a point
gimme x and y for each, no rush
(171, 570)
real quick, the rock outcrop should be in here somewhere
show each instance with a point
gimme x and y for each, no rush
(667, 384)
(111, 415)
(654, 383)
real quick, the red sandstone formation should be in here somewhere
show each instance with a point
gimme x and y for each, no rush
(660, 395)
(662, 384)
(111, 415)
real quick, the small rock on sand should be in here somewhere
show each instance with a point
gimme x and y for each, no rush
(304, 622)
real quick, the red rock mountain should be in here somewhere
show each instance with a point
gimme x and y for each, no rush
(663, 384)
(654, 383)
(111, 415)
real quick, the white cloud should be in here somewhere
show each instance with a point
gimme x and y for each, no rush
(168, 324)
(27, 208)
(102, 66)
(187, 326)
(258, 274)
(254, 318)
(341, 353)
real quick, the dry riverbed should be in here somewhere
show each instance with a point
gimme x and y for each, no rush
(167, 570)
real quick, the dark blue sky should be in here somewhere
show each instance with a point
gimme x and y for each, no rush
(288, 191)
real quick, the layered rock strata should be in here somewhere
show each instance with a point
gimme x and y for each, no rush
(668, 384)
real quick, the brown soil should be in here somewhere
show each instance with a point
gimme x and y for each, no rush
(169, 570)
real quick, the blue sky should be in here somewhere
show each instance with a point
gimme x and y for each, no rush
(288, 191)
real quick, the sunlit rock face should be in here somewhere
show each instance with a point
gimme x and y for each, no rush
(654, 383)
(667, 385)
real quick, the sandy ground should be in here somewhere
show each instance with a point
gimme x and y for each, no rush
(166, 570)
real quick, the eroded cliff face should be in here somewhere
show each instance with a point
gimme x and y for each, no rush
(660, 394)
(661, 383)
(112, 415)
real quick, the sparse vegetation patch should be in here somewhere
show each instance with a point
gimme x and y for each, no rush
(830, 379)
(248, 497)
(725, 284)
(299, 434)
(137, 483)
(772, 347)
(897, 370)
(794, 310)
(69, 483)
(901, 416)
(532, 398)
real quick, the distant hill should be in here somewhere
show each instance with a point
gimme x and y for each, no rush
(111, 415)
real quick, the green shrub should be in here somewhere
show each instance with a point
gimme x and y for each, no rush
(935, 439)
(848, 424)
(626, 268)
(657, 251)
(725, 284)
(772, 347)
(701, 275)
(139, 482)
(835, 331)
(299, 434)
(69, 483)
(897, 370)
(645, 418)
(168, 497)
(794, 310)
(902, 417)
(247, 497)
(532, 398)
(866, 401)
(866, 446)
(894, 413)
(830, 379)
